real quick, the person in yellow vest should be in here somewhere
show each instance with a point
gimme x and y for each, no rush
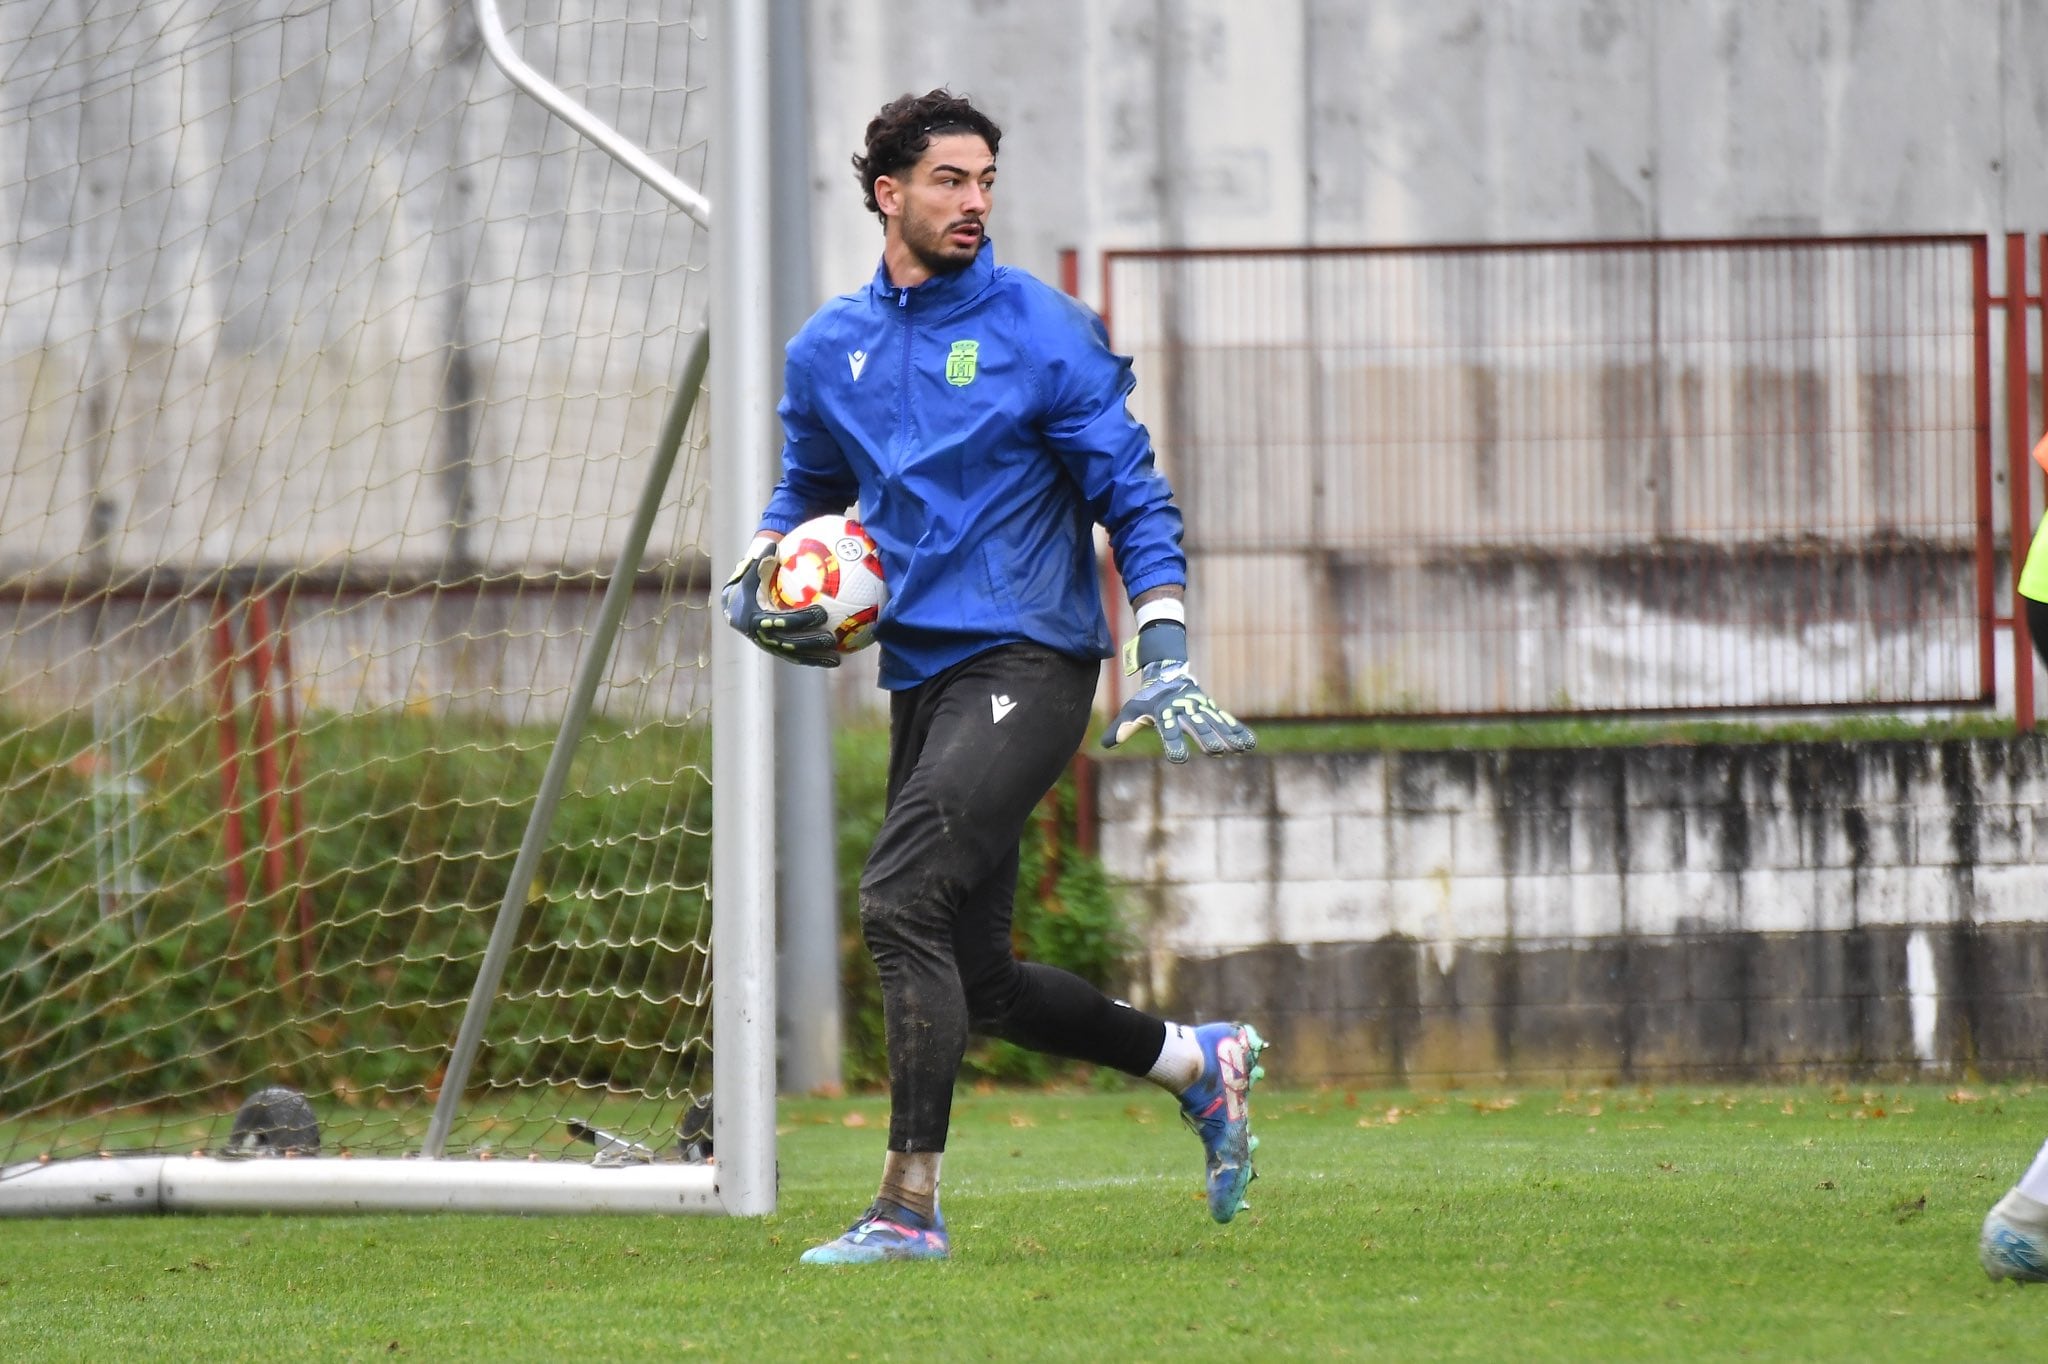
(2034, 577)
(2014, 1242)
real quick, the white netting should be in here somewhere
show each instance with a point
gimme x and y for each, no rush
(331, 369)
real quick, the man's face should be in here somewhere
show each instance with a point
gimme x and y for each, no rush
(937, 207)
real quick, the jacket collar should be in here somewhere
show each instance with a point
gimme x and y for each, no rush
(940, 292)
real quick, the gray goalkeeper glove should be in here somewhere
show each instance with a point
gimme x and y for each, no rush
(797, 635)
(1169, 698)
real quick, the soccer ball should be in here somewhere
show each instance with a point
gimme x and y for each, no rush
(829, 561)
(274, 1122)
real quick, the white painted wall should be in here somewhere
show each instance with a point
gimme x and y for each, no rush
(1144, 123)
(1132, 123)
(243, 244)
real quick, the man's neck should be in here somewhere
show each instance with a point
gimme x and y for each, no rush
(906, 268)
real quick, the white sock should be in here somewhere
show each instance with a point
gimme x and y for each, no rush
(2034, 1183)
(1180, 1060)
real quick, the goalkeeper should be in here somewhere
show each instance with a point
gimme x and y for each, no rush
(978, 418)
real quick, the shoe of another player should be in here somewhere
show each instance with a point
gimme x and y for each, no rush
(1218, 1107)
(876, 1236)
(2014, 1242)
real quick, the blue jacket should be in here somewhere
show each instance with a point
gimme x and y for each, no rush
(979, 420)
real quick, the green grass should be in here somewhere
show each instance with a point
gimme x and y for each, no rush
(1310, 736)
(1680, 1223)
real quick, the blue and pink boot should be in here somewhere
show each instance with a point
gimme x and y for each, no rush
(1218, 1107)
(878, 1235)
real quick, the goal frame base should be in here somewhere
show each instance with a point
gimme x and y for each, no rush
(195, 1184)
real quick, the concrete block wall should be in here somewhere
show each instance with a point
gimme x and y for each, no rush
(1600, 916)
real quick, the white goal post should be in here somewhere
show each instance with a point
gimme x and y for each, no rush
(360, 701)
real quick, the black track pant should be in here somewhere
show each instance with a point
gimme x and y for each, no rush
(2037, 626)
(971, 753)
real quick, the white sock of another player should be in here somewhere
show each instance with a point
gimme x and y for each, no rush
(2034, 1183)
(1180, 1060)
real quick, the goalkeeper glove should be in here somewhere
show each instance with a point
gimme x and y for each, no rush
(1169, 698)
(795, 635)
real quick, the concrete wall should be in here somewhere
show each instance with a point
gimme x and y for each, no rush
(316, 286)
(1600, 916)
(1209, 122)
(1144, 123)
(320, 283)
(508, 654)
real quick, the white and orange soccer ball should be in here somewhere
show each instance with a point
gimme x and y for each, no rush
(829, 561)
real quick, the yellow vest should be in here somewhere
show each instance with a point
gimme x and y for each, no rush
(2034, 577)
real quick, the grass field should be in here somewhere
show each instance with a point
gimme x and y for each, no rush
(1808, 1223)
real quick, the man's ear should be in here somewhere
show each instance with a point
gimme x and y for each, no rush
(888, 195)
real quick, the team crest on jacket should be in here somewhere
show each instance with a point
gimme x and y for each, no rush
(960, 363)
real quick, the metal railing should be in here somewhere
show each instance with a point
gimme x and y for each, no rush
(1582, 478)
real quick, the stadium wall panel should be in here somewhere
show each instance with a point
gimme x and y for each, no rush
(1601, 916)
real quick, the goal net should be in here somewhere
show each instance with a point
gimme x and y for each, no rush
(331, 369)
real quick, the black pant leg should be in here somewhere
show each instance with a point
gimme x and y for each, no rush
(972, 753)
(1037, 1006)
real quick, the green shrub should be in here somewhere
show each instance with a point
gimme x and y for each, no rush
(412, 823)
(412, 826)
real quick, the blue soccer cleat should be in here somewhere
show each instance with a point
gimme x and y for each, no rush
(876, 1236)
(2014, 1242)
(1218, 1108)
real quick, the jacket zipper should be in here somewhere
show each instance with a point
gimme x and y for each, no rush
(903, 386)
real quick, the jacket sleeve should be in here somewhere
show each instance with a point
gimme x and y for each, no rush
(1108, 453)
(816, 477)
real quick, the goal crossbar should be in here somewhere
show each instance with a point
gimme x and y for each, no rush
(607, 138)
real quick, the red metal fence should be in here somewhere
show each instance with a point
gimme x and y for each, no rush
(1583, 478)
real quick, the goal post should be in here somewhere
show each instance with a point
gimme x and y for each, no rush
(355, 403)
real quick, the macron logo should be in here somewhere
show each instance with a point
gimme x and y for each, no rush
(856, 360)
(1000, 706)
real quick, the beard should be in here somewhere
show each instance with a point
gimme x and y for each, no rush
(934, 248)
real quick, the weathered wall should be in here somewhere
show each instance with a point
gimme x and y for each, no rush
(1145, 123)
(511, 655)
(1601, 915)
(315, 286)
(1206, 122)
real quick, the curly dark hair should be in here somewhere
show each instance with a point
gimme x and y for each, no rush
(898, 135)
